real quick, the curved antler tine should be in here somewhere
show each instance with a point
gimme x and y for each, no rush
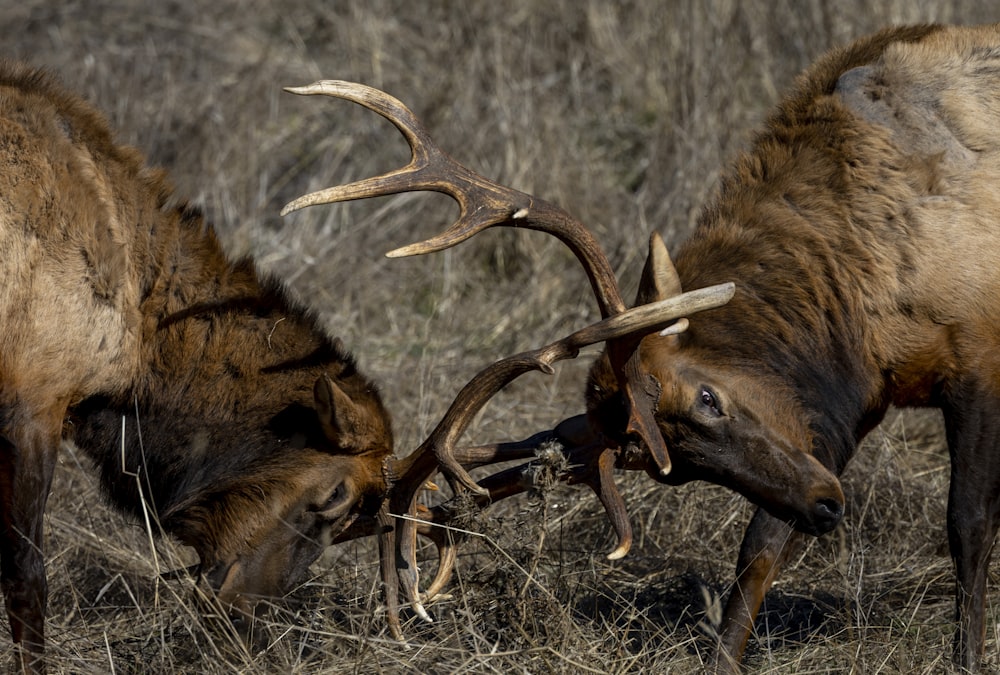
(408, 571)
(394, 182)
(444, 539)
(603, 485)
(642, 392)
(375, 100)
(387, 567)
(447, 554)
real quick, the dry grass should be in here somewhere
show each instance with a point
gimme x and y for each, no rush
(622, 113)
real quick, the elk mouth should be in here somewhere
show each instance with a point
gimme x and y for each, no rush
(235, 586)
(821, 508)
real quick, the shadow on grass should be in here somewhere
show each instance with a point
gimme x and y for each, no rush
(688, 604)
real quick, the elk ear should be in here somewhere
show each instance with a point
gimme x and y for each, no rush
(659, 278)
(344, 422)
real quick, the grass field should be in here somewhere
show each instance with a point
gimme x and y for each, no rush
(621, 112)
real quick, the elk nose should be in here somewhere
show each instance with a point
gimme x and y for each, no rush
(827, 512)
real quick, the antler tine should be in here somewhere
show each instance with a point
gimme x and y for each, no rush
(482, 202)
(444, 539)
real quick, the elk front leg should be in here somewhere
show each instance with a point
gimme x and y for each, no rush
(973, 513)
(767, 545)
(28, 449)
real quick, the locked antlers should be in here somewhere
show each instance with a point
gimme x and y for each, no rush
(485, 204)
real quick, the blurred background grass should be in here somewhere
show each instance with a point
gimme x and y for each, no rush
(621, 112)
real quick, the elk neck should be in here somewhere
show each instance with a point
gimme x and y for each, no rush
(814, 224)
(225, 383)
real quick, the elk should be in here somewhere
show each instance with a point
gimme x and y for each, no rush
(198, 387)
(858, 228)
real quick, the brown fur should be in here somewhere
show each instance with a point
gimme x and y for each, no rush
(861, 231)
(254, 437)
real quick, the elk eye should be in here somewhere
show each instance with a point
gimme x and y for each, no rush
(709, 400)
(337, 496)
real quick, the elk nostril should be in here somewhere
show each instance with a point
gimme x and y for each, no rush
(828, 513)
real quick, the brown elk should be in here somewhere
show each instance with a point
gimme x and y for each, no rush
(859, 228)
(196, 385)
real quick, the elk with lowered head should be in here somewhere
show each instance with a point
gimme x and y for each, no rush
(192, 380)
(200, 390)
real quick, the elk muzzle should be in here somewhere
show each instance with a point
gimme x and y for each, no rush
(808, 495)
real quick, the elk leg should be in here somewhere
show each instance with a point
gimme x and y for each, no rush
(767, 545)
(27, 459)
(973, 515)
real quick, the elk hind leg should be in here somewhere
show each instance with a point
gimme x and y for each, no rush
(973, 514)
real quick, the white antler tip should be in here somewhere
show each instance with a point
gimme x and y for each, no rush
(421, 612)
(675, 328)
(619, 553)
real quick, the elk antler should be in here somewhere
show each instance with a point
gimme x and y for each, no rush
(485, 204)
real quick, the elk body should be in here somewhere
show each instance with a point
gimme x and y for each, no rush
(193, 382)
(861, 230)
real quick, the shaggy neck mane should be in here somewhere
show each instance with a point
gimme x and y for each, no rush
(806, 223)
(218, 341)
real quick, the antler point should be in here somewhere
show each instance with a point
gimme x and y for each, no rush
(618, 553)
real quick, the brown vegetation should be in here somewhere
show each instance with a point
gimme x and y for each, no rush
(622, 115)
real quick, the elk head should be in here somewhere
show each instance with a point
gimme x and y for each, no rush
(725, 422)
(338, 474)
(259, 517)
